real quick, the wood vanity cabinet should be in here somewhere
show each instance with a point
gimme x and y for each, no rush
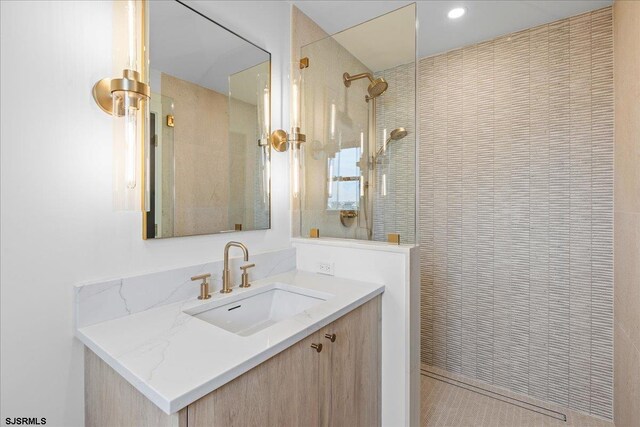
(300, 386)
(350, 377)
(338, 386)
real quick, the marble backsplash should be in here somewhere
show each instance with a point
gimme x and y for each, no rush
(100, 301)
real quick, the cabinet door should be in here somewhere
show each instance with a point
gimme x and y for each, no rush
(294, 385)
(350, 377)
(283, 391)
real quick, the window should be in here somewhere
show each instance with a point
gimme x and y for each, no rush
(343, 173)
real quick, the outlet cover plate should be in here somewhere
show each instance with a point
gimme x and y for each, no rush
(327, 268)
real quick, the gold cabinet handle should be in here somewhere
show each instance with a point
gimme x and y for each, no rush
(317, 347)
(330, 337)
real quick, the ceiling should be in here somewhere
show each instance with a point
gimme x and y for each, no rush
(484, 20)
(190, 47)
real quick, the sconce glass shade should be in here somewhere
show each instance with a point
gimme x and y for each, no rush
(263, 107)
(129, 94)
(281, 140)
(296, 137)
(126, 108)
(296, 96)
(128, 130)
(296, 168)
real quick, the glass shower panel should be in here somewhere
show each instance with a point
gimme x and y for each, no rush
(358, 113)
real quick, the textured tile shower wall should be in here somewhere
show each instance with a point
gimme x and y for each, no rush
(516, 197)
(395, 209)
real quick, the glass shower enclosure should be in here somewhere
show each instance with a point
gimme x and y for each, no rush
(358, 164)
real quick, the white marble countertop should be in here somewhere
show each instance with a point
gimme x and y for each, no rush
(174, 358)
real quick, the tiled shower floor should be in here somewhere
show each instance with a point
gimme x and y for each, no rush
(446, 404)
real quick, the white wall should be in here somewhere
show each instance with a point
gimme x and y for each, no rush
(58, 226)
(396, 267)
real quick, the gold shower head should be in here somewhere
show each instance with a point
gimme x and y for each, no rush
(397, 134)
(376, 86)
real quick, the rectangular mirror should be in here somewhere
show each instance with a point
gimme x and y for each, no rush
(208, 161)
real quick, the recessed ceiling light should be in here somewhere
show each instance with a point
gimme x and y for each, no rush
(456, 12)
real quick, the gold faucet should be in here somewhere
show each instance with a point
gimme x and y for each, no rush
(204, 286)
(226, 274)
(245, 275)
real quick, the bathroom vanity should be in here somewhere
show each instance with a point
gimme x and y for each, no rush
(176, 365)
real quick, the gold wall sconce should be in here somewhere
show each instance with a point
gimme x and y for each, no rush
(117, 96)
(281, 140)
(125, 99)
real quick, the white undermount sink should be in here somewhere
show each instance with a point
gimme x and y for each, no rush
(256, 309)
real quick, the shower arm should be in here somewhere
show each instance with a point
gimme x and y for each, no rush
(360, 76)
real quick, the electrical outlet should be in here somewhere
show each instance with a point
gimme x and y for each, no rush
(326, 268)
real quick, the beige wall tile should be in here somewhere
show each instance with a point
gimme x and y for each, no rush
(627, 213)
(627, 106)
(627, 274)
(627, 381)
(201, 156)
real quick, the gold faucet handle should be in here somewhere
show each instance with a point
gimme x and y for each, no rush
(244, 268)
(245, 275)
(204, 286)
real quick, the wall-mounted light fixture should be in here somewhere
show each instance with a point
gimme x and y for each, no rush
(125, 99)
(280, 140)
